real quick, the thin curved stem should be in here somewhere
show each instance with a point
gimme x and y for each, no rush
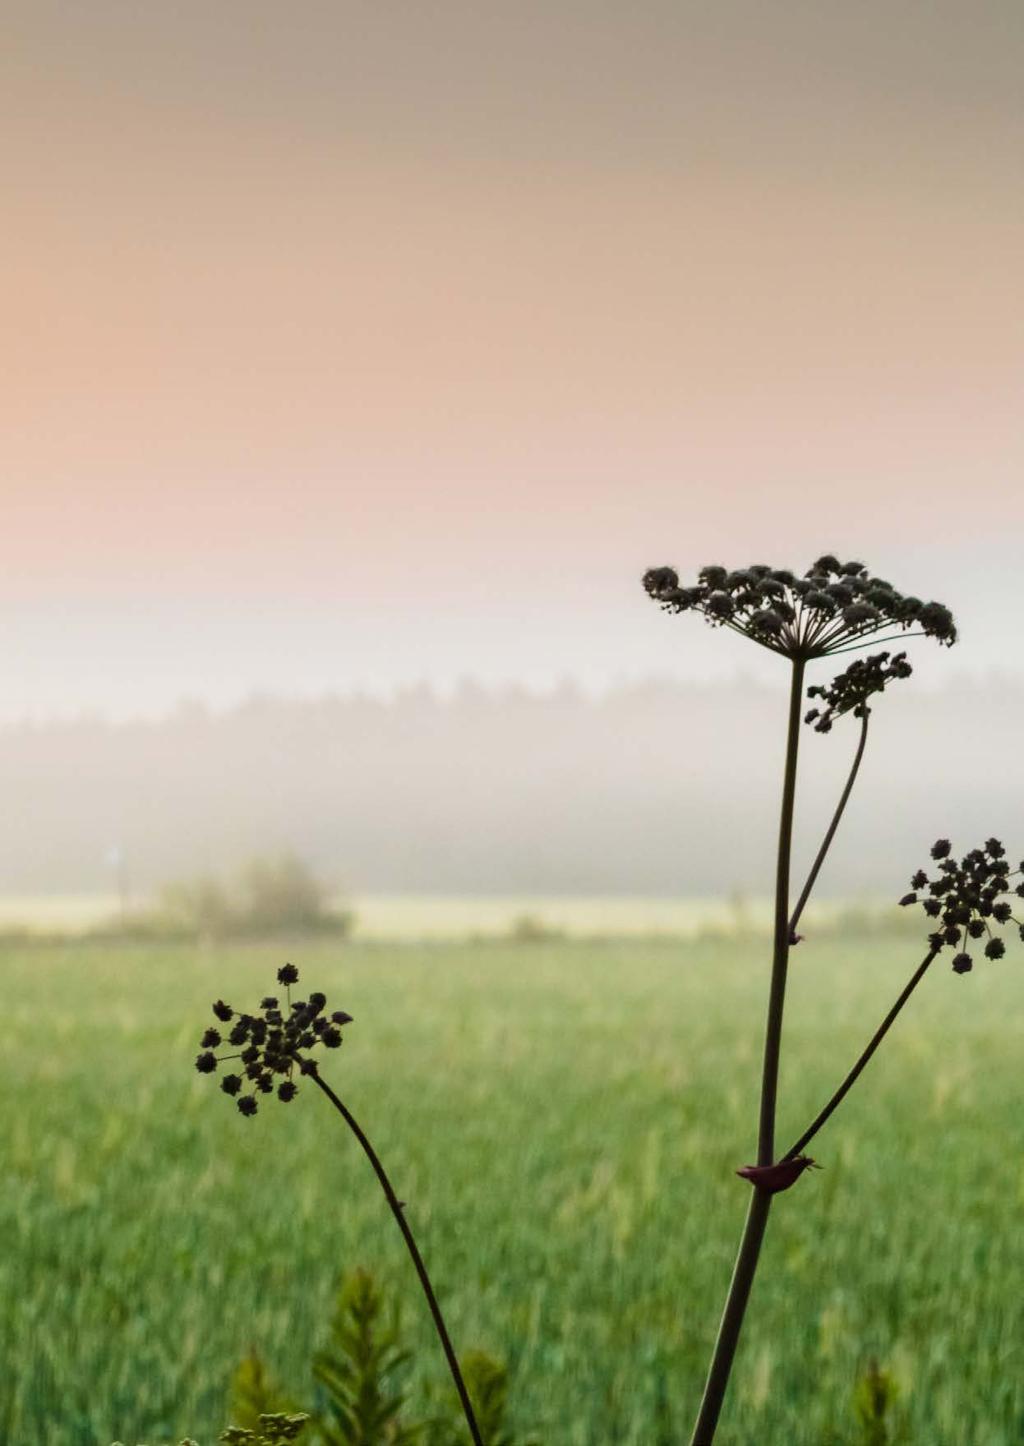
(830, 833)
(398, 1211)
(851, 1079)
(874, 642)
(757, 1216)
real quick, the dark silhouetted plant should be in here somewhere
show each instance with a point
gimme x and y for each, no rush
(834, 608)
(274, 1048)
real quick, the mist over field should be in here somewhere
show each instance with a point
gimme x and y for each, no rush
(664, 789)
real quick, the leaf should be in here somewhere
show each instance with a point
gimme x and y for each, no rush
(359, 1371)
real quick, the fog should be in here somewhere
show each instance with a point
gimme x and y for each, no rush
(664, 789)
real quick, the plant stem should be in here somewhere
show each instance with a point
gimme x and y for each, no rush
(851, 1078)
(757, 1215)
(830, 834)
(398, 1211)
(780, 954)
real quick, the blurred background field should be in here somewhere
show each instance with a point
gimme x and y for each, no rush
(563, 1117)
(414, 918)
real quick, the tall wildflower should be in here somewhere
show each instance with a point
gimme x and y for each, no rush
(275, 1049)
(833, 608)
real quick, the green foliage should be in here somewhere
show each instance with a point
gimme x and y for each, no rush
(253, 1394)
(199, 906)
(597, 1091)
(531, 929)
(487, 1383)
(874, 1400)
(280, 896)
(272, 1429)
(358, 1371)
(269, 897)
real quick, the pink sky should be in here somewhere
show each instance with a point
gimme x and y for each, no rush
(352, 348)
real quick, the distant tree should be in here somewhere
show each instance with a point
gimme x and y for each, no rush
(281, 895)
(197, 906)
(268, 897)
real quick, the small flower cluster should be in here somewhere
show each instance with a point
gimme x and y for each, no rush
(273, 1429)
(967, 898)
(850, 690)
(273, 1043)
(834, 605)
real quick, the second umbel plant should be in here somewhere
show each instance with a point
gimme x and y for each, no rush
(831, 609)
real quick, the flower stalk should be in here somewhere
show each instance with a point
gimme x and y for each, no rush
(397, 1209)
(760, 1203)
(834, 608)
(968, 898)
(830, 832)
(275, 1046)
(851, 1079)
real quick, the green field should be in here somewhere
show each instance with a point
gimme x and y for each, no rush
(563, 1120)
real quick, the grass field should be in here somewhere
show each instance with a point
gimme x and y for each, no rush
(563, 1120)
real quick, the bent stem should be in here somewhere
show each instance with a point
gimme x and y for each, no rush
(760, 1205)
(398, 1212)
(851, 1079)
(830, 833)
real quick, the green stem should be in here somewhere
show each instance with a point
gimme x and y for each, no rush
(760, 1205)
(851, 1079)
(398, 1211)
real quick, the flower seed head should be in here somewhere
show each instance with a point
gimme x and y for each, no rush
(965, 896)
(850, 691)
(833, 606)
(272, 1046)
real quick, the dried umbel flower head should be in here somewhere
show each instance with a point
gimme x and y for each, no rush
(969, 899)
(272, 1045)
(835, 605)
(850, 690)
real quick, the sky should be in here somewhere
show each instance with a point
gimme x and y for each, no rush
(352, 344)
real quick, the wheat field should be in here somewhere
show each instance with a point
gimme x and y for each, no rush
(563, 1118)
